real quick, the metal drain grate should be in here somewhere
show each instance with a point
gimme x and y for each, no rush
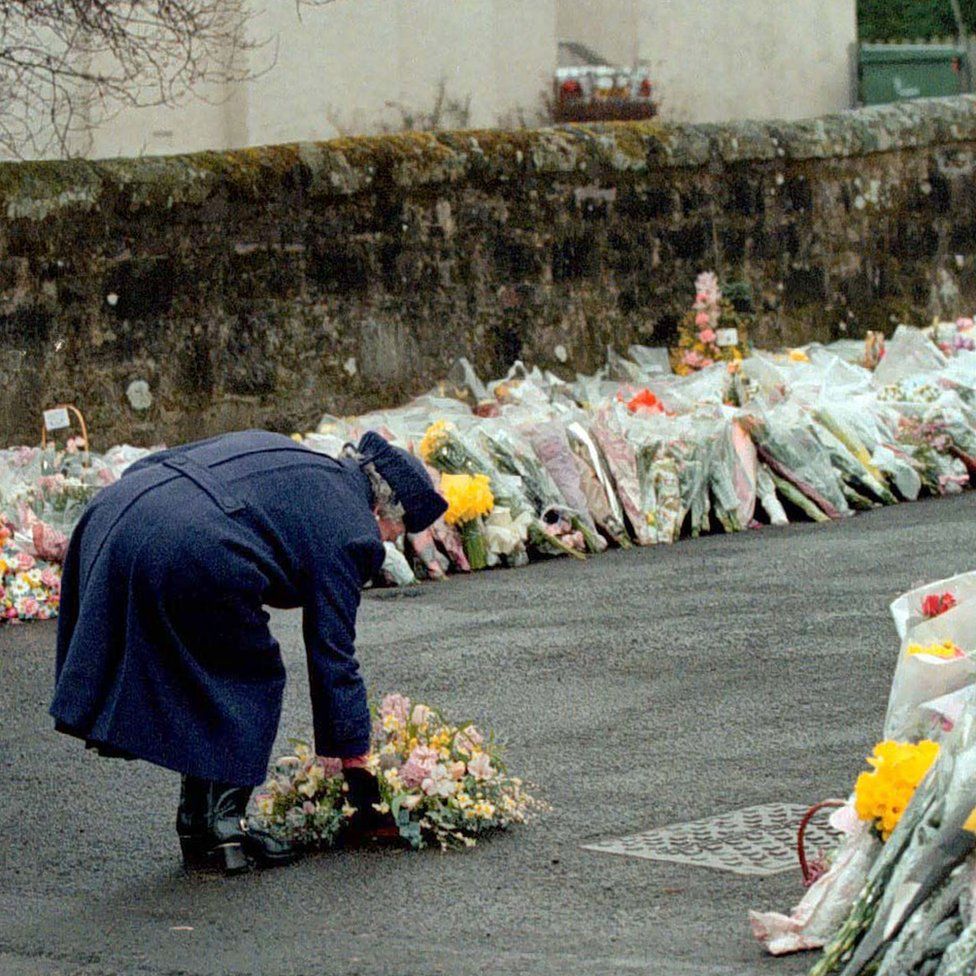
(755, 840)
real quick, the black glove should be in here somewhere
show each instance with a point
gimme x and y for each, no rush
(363, 794)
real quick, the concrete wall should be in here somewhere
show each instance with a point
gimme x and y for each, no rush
(360, 66)
(715, 60)
(267, 286)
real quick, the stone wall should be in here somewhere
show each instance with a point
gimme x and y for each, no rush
(266, 286)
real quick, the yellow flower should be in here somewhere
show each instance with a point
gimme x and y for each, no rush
(468, 497)
(347, 810)
(383, 807)
(944, 649)
(798, 356)
(389, 723)
(881, 796)
(437, 433)
(463, 800)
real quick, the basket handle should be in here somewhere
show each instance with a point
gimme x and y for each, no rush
(801, 851)
(86, 462)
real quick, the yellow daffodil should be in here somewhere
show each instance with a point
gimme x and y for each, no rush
(468, 497)
(881, 796)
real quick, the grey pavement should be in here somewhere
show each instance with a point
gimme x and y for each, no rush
(639, 689)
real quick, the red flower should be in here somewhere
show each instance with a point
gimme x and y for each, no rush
(645, 400)
(937, 603)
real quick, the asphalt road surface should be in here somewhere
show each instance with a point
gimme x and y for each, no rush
(639, 689)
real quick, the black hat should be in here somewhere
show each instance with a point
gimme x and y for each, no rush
(406, 475)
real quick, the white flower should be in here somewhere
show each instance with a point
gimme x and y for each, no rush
(440, 782)
(480, 767)
(421, 713)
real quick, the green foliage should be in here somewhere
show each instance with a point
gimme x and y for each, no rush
(881, 20)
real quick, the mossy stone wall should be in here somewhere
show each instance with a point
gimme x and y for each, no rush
(266, 286)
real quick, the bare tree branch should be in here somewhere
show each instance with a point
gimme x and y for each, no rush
(68, 66)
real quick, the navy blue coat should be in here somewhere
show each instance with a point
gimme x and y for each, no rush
(164, 651)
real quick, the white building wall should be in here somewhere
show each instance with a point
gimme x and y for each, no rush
(716, 60)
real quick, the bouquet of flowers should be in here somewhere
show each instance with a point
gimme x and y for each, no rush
(443, 449)
(881, 796)
(29, 589)
(303, 801)
(442, 783)
(712, 332)
(469, 499)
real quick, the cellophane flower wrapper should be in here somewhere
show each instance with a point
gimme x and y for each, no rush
(551, 444)
(785, 431)
(608, 431)
(919, 678)
(443, 783)
(303, 800)
(907, 611)
(596, 480)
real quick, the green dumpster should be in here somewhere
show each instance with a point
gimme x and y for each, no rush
(893, 72)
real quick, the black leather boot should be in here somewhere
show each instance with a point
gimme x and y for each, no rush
(214, 831)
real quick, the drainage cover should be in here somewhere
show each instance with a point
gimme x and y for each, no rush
(755, 840)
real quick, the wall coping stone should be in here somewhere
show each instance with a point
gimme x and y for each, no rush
(348, 166)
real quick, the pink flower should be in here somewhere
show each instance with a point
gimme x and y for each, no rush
(49, 544)
(25, 561)
(412, 774)
(703, 319)
(29, 607)
(106, 476)
(308, 807)
(330, 765)
(51, 579)
(707, 335)
(457, 770)
(396, 706)
(425, 757)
